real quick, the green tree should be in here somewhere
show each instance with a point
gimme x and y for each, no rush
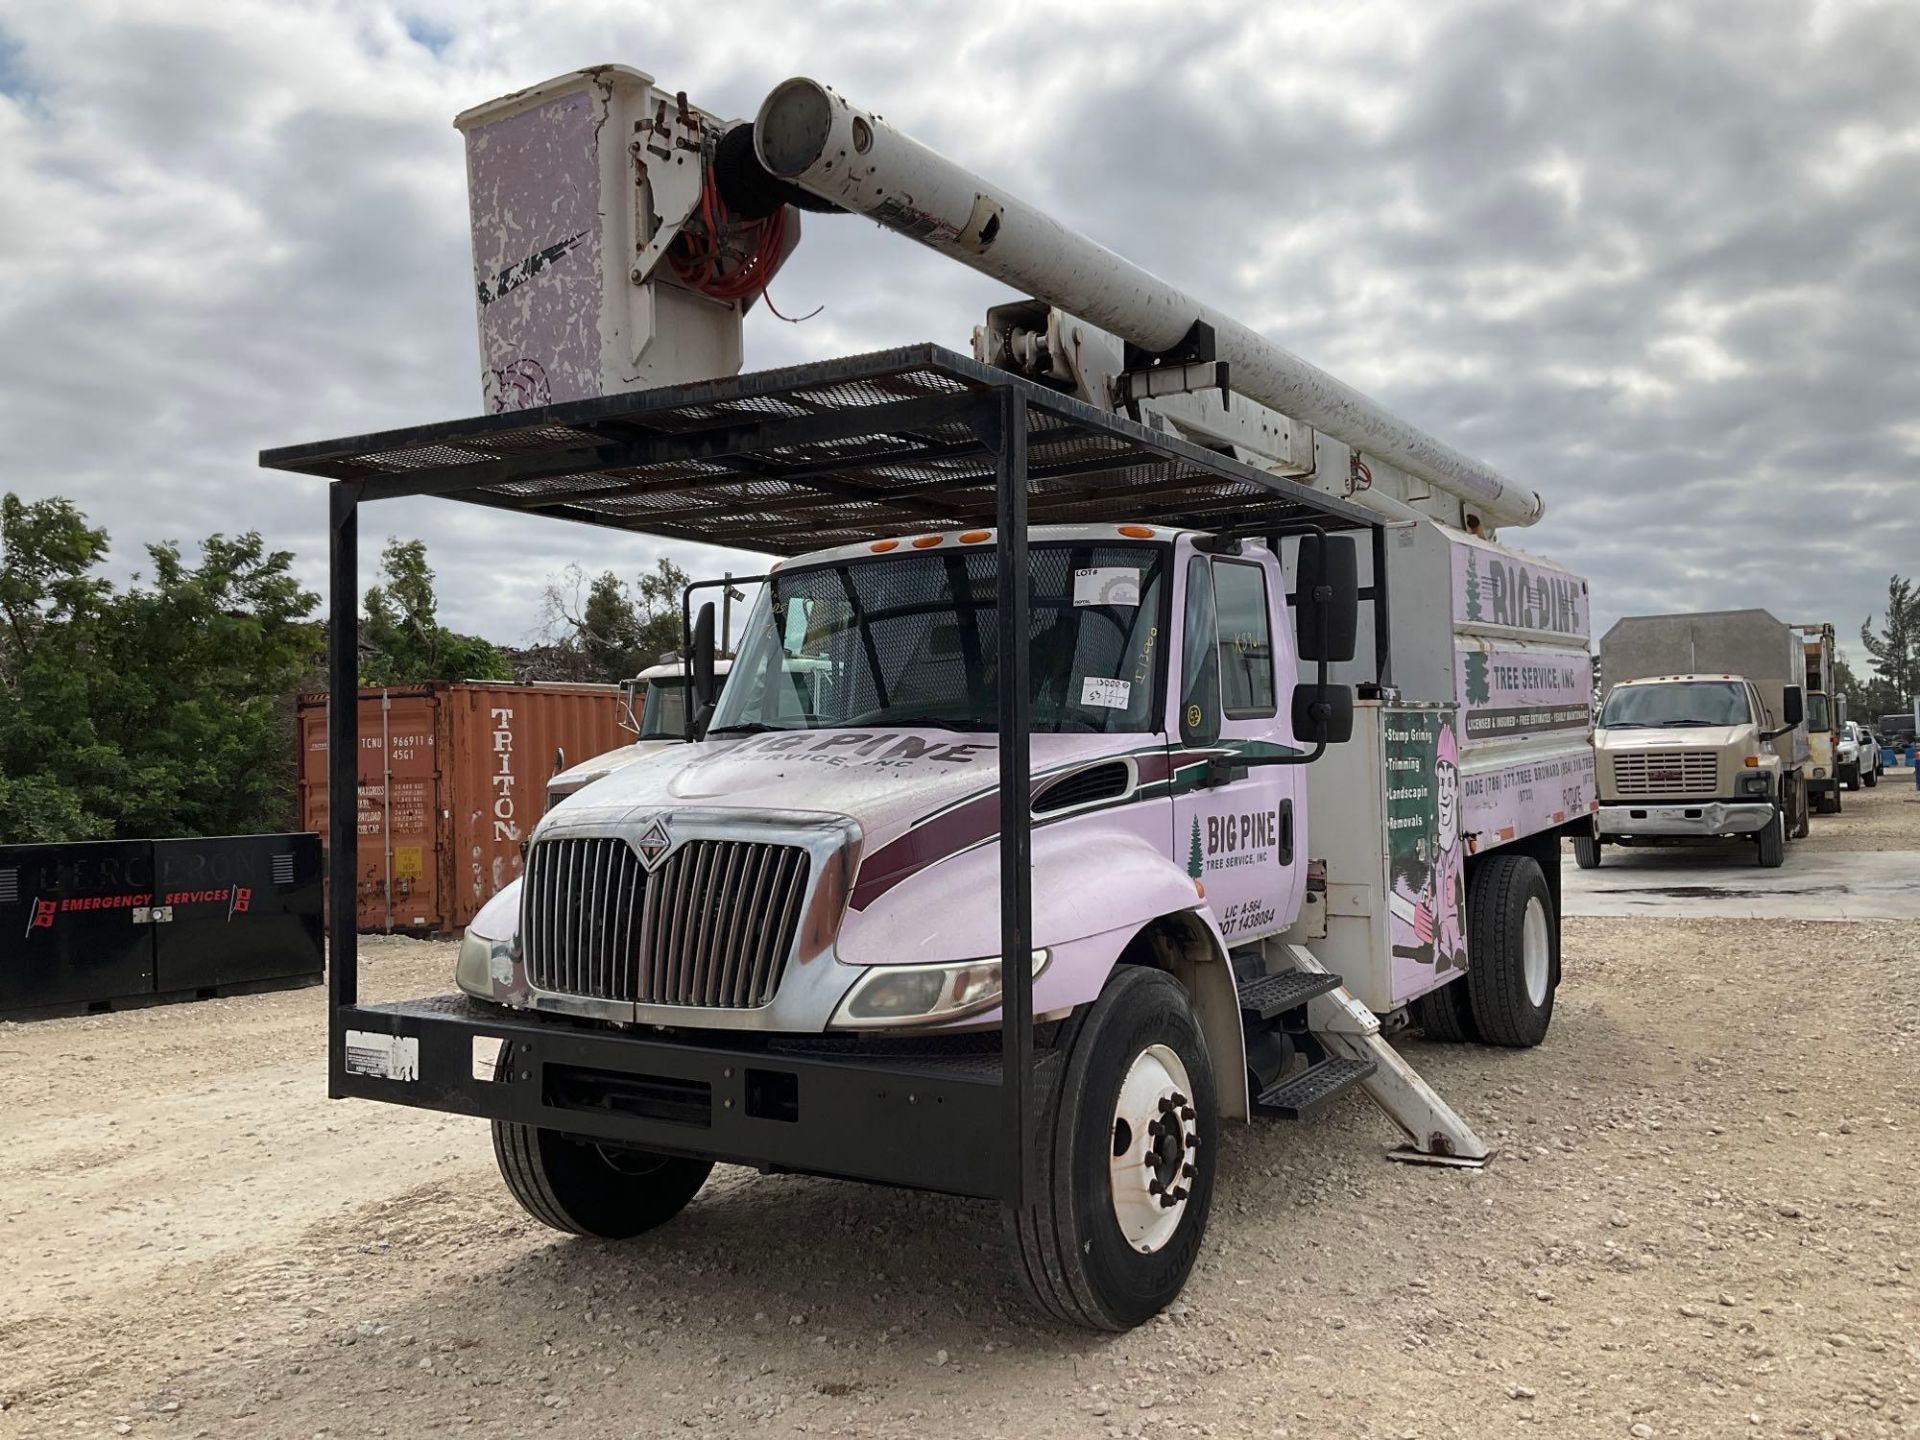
(657, 599)
(1473, 585)
(1895, 648)
(603, 630)
(1478, 691)
(1196, 863)
(402, 641)
(165, 709)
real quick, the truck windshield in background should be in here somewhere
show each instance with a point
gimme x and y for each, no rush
(1817, 716)
(1680, 702)
(913, 640)
(664, 716)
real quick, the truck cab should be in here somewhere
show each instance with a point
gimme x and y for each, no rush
(656, 702)
(1690, 757)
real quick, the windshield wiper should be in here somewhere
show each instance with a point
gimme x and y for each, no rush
(1671, 724)
(749, 727)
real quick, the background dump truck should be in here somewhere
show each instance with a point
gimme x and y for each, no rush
(1701, 733)
(1823, 718)
(1060, 805)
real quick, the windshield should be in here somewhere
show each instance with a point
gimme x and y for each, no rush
(1817, 712)
(913, 640)
(1679, 702)
(664, 716)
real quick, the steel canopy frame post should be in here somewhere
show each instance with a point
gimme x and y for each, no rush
(343, 767)
(1004, 427)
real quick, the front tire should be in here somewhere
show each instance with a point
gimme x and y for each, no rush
(582, 1188)
(1513, 941)
(1851, 778)
(1131, 1108)
(1586, 851)
(1773, 841)
(1802, 822)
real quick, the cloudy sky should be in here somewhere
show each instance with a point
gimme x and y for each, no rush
(1661, 262)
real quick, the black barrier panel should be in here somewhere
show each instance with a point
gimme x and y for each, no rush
(237, 909)
(75, 922)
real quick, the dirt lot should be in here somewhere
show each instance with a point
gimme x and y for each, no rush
(1703, 1221)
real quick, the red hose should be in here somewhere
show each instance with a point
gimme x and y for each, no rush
(700, 261)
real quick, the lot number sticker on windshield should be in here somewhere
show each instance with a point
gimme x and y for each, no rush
(1101, 694)
(1106, 585)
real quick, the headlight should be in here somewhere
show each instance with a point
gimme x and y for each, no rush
(1754, 785)
(890, 995)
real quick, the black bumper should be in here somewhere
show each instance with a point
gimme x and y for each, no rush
(933, 1120)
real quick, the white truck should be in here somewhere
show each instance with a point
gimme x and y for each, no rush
(658, 712)
(1098, 821)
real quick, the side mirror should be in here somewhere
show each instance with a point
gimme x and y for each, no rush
(1323, 715)
(1793, 706)
(1326, 609)
(560, 759)
(702, 674)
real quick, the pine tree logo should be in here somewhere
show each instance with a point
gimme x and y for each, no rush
(1478, 692)
(1194, 865)
(1473, 585)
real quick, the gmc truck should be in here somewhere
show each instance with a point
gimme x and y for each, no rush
(1701, 734)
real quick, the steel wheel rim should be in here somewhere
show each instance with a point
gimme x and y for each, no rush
(1536, 951)
(1152, 1140)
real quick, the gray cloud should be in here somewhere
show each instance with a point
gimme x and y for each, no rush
(1662, 263)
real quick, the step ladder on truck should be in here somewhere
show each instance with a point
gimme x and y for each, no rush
(1074, 621)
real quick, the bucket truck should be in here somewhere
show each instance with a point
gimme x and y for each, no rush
(1074, 621)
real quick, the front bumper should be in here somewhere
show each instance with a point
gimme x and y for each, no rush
(1704, 818)
(920, 1115)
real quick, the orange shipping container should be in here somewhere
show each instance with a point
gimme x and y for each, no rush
(453, 779)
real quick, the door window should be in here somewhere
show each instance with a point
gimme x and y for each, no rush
(1246, 639)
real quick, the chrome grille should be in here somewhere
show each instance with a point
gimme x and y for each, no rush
(713, 926)
(1666, 772)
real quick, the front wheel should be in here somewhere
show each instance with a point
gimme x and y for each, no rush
(1850, 778)
(583, 1188)
(1802, 822)
(1586, 851)
(1773, 842)
(1513, 941)
(1125, 1144)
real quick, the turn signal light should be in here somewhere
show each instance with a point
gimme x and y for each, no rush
(1753, 762)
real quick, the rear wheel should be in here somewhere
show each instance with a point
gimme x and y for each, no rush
(1513, 942)
(1125, 1143)
(584, 1188)
(1870, 778)
(1773, 842)
(1446, 1014)
(1586, 851)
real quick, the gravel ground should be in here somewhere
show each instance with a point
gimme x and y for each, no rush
(1702, 1222)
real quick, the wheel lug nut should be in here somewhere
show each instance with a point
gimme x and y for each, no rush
(1179, 1194)
(1186, 1172)
(1187, 1114)
(1154, 1187)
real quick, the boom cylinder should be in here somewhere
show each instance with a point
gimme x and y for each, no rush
(811, 136)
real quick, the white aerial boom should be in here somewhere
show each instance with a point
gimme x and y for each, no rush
(680, 217)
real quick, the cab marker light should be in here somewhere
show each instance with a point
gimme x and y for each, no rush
(881, 547)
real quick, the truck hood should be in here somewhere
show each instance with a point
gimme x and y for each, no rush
(887, 781)
(1678, 737)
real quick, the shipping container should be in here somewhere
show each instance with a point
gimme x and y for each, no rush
(453, 779)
